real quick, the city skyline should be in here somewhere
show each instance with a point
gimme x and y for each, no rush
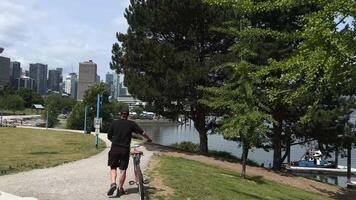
(45, 81)
(43, 37)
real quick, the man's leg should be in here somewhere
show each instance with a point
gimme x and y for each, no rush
(113, 181)
(122, 178)
(113, 174)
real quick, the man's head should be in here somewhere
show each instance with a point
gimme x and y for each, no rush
(125, 112)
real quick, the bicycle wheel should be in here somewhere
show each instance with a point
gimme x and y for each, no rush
(141, 189)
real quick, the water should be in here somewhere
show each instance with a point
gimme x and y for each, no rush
(170, 133)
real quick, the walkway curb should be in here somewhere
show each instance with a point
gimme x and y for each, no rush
(7, 196)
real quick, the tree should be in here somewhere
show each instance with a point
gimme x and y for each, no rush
(245, 117)
(7, 90)
(52, 109)
(76, 118)
(107, 109)
(304, 53)
(54, 105)
(325, 62)
(324, 66)
(267, 33)
(30, 97)
(12, 103)
(168, 52)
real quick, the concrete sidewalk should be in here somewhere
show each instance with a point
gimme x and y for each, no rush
(6, 196)
(84, 179)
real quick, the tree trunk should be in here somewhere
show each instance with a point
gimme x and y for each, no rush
(199, 124)
(203, 142)
(245, 149)
(349, 164)
(337, 156)
(277, 145)
(287, 153)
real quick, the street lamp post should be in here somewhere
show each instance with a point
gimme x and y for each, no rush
(1, 50)
(97, 120)
(85, 119)
(47, 120)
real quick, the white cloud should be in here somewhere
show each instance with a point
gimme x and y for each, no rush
(60, 36)
(15, 18)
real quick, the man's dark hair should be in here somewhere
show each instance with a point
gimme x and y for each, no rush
(124, 111)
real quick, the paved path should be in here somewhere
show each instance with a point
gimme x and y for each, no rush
(84, 179)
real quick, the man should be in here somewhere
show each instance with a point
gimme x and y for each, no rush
(120, 134)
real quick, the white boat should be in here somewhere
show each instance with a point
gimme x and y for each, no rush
(352, 184)
(339, 170)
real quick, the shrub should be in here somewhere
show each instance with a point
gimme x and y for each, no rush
(186, 146)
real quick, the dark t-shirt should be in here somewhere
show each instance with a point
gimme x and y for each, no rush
(120, 132)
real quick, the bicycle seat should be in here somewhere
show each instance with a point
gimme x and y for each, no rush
(136, 152)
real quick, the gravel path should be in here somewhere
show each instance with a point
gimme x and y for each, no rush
(84, 179)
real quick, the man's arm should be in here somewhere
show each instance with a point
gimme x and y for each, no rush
(110, 133)
(149, 139)
(139, 130)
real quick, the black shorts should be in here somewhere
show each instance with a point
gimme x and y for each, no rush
(119, 158)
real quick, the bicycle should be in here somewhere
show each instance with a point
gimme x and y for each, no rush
(136, 157)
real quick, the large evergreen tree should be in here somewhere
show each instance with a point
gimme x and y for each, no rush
(168, 52)
(245, 119)
(267, 32)
(303, 56)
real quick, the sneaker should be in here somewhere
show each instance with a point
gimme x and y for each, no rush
(120, 192)
(112, 189)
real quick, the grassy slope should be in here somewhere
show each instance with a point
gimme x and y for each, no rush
(25, 149)
(193, 180)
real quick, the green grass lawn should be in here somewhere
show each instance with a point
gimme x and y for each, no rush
(193, 180)
(26, 149)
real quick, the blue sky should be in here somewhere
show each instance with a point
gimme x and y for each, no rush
(61, 33)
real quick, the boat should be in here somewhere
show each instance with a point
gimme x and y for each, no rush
(312, 162)
(351, 184)
(339, 170)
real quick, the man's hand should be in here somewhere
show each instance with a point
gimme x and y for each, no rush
(147, 137)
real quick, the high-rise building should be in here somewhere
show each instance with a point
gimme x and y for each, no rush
(71, 84)
(15, 72)
(109, 78)
(54, 77)
(74, 85)
(27, 73)
(113, 80)
(4, 71)
(67, 85)
(97, 79)
(38, 72)
(61, 74)
(116, 86)
(25, 82)
(123, 91)
(87, 77)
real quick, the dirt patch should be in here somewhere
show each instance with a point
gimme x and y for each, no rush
(157, 188)
(282, 178)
